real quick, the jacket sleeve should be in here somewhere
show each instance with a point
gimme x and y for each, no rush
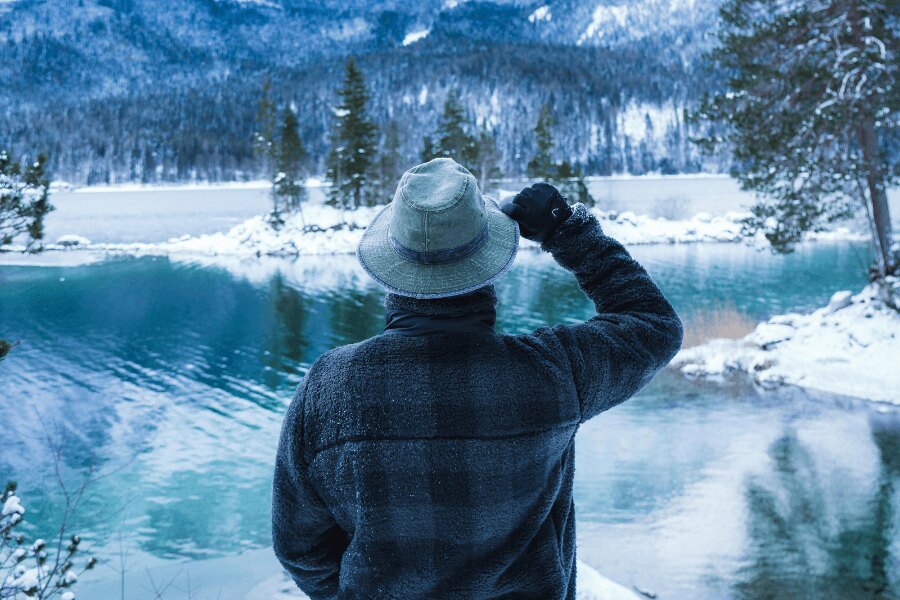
(635, 332)
(307, 540)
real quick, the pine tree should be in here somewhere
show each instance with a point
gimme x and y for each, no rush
(264, 137)
(487, 159)
(5, 347)
(571, 183)
(428, 149)
(811, 109)
(288, 189)
(453, 137)
(24, 200)
(541, 165)
(389, 164)
(352, 156)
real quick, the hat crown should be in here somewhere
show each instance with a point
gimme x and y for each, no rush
(437, 206)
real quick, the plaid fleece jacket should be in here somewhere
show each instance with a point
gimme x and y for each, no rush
(441, 466)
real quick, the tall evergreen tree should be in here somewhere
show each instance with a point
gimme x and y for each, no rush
(264, 136)
(541, 165)
(487, 159)
(24, 200)
(428, 149)
(288, 188)
(453, 139)
(811, 109)
(572, 184)
(390, 162)
(352, 156)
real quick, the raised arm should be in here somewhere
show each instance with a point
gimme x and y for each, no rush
(635, 332)
(306, 539)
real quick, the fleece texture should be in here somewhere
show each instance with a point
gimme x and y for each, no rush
(441, 466)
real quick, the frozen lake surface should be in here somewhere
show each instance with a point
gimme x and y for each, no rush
(154, 215)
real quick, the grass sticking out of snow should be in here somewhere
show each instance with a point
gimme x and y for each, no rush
(850, 347)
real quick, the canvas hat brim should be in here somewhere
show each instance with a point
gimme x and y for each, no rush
(405, 277)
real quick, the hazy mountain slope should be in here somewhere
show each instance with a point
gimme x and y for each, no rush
(123, 89)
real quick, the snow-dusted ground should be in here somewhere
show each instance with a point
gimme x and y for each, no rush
(849, 347)
(590, 585)
(323, 229)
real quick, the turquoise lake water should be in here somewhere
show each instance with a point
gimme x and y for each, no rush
(169, 378)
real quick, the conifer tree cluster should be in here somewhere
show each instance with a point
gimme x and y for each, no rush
(352, 158)
(282, 151)
(365, 164)
(24, 200)
(457, 138)
(390, 164)
(568, 178)
(810, 112)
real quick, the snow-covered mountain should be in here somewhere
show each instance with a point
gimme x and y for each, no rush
(121, 89)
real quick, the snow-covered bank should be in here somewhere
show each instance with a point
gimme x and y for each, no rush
(323, 229)
(850, 347)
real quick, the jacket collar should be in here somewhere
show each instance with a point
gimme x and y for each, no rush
(468, 313)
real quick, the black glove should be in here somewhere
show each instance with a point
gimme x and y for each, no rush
(539, 210)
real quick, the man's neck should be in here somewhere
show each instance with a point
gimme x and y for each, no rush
(467, 313)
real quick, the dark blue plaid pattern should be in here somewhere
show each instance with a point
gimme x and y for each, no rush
(441, 466)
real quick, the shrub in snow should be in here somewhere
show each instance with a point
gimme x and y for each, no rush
(5, 347)
(70, 241)
(35, 570)
(24, 200)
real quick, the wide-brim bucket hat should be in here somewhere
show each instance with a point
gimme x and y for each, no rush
(439, 236)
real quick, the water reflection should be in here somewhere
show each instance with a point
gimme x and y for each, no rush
(171, 375)
(806, 535)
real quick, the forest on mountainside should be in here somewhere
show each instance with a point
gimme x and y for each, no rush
(128, 91)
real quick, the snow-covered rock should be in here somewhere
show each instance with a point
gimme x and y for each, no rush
(70, 240)
(850, 347)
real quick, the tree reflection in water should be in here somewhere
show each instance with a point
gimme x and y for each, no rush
(800, 540)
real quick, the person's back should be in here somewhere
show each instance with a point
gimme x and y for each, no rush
(436, 460)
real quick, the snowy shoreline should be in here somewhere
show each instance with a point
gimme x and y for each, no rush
(590, 585)
(850, 347)
(323, 229)
(315, 182)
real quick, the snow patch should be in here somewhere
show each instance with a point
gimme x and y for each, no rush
(591, 585)
(635, 116)
(414, 36)
(603, 17)
(348, 29)
(541, 14)
(850, 347)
